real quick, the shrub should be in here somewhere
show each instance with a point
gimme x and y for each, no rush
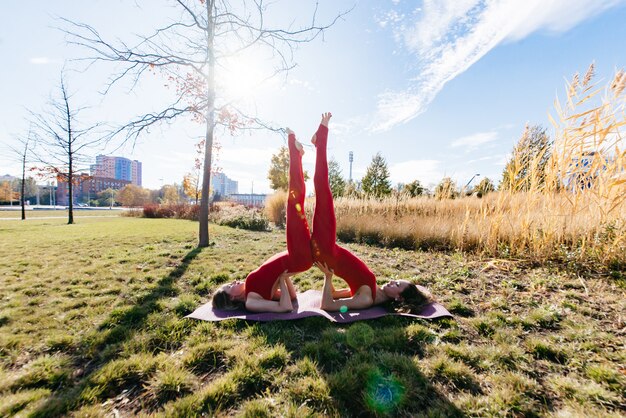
(238, 216)
(276, 208)
(173, 210)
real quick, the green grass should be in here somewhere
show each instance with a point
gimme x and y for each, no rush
(92, 321)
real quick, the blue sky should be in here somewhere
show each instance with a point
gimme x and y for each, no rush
(439, 87)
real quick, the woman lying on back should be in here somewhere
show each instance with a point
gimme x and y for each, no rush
(269, 287)
(331, 258)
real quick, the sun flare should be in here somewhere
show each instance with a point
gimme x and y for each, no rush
(241, 77)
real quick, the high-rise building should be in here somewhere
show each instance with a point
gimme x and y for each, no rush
(222, 185)
(118, 168)
(135, 172)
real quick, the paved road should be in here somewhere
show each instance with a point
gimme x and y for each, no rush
(58, 217)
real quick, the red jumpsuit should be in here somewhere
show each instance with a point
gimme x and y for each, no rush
(323, 246)
(297, 258)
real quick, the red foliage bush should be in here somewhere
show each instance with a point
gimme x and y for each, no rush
(178, 211)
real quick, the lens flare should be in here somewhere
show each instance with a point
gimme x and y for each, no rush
(383, 393)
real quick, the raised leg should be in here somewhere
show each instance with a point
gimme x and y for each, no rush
(324, 223)
(297, 229)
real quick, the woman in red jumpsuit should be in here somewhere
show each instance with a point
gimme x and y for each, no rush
(399, 295)
(269, 287)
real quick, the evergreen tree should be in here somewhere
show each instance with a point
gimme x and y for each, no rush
(278, 174)
(376, 181)
(337, 183)
(527, 165)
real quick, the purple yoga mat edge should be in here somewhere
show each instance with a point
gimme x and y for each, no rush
(306, 307)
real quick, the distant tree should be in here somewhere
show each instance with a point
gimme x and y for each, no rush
(446, 189)
(353, 189)
(278, 174)
(376, 181)
(6, 192)
(132, 196)
(30, 187)
(170, 194)
(154, 196)
(485, 186)
(191, 187)
(62, 142)
(192, 182)
(337, 183)
(413, 189)
(527, 166)
(22, 152)
(106, 197)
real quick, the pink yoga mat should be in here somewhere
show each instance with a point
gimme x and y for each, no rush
(307, 305)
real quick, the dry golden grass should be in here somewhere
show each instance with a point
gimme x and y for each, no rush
(275, 208)
(529, 225)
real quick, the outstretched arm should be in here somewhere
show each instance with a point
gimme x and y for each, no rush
(361, 300)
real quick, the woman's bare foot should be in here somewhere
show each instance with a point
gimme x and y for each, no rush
(326, 118)
(297, 143)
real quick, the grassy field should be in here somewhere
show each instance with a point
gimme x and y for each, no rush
(91, 324)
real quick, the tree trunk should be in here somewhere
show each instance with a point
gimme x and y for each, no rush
(23, 189)
(210, 124)
(70, 155)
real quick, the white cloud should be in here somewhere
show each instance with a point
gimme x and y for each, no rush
(473, 141)
(426, 171)
(41, 60)
(449, 36)
(486, 158)
(390, 17)
(301, 83)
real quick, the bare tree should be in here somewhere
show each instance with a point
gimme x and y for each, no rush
(61, 141)
(22, 152)
(187, 51)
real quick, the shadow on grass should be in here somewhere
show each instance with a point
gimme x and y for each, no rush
(370, 369)
(93, 353)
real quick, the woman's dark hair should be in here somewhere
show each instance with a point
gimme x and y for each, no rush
(412, 300)
(222, 300)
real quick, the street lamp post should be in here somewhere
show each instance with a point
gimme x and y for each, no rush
(468, 183)
(350, 158)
